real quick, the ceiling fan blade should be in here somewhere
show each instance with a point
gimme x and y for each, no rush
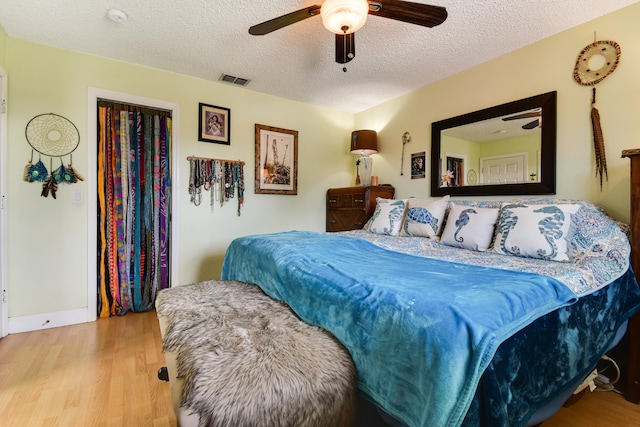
(531, 125)
(345, 47)
(527, 115)
(284, 20)
(414, 13)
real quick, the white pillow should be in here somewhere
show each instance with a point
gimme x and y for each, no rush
(535, 231)
(470, 227)
(424, 217)
(387, 218)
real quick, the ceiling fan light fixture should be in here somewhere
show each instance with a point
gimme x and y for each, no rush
(344, 16)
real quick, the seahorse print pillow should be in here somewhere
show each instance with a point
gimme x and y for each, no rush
(535, 231)
(470, 227)
(387, 218)
(424, 217)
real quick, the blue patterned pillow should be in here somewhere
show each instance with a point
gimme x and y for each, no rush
(424, 217)
(534, 231)
(387, 218)
(470, 227)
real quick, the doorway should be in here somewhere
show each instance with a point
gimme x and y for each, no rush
(456, 169)
(92, 183)
(3, 224)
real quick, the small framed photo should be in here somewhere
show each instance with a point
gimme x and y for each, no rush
(214, 124)
(276, 160)
(418, 165)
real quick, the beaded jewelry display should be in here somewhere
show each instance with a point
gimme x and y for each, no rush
(222, 178)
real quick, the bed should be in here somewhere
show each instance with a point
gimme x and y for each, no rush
(472, 313)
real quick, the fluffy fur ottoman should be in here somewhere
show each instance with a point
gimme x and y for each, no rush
(244, 359)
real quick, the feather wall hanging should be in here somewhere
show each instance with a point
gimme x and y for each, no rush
(595, 62)
(54, 136)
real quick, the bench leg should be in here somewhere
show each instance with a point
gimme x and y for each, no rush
(163, 374)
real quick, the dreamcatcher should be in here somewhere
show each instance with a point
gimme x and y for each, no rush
(595, 62)
(53, 136)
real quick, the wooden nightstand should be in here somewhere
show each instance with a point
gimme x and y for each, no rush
(350, 208)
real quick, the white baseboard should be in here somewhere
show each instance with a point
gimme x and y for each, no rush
(37, 322)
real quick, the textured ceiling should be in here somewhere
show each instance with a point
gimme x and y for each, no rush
(205, 38)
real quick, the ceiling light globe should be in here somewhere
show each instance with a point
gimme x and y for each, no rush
(344, 16)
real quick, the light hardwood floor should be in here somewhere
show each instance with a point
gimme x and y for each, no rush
(94, 374)
(105, 374)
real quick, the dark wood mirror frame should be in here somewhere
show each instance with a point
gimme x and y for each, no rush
(547, 184)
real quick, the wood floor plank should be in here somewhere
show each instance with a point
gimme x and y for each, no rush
(104, 373)
(101, 373)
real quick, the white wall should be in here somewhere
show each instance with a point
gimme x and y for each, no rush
(542, 67)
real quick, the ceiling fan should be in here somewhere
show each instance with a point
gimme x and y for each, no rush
(528, 115)
(345, 17)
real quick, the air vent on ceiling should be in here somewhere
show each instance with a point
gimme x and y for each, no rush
(235, 80)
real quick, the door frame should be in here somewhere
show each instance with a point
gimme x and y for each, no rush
(465, 164)
(92, 197)
(4, 312)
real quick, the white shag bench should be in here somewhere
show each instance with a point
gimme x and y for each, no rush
(236, 357)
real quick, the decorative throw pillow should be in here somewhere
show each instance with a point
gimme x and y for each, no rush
(535, 231)
(424, 217)
(387, 218)
(470, 227)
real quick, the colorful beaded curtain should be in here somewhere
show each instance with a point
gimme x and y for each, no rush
(134, 195)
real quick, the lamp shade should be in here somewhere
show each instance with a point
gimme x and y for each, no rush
(364, 142)
(344, 16)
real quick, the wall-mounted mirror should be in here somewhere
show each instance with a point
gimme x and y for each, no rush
(509, 149)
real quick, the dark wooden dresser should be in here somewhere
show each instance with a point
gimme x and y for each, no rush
(350, 208)
(632, 392)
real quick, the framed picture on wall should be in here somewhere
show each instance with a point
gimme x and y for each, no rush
(276, 160)
(418, 165)
(214, 124)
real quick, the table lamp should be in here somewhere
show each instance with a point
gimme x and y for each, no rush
(364, 143)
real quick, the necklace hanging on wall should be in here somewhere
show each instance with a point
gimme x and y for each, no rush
(54, 136)
(594, 63)
(224, 178)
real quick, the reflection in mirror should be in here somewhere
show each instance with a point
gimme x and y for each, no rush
(499, 150)
(504, 150)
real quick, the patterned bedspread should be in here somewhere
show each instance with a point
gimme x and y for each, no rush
(599, 249)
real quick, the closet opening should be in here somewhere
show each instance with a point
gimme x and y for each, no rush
(134, 186)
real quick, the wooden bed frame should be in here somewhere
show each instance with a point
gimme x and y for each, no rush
(632, 380)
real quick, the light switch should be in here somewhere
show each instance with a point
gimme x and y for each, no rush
(78, 197)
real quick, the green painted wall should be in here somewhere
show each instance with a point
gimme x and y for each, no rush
(539, 68)
(47, 238)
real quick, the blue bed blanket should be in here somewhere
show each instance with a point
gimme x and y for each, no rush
(420, 331)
